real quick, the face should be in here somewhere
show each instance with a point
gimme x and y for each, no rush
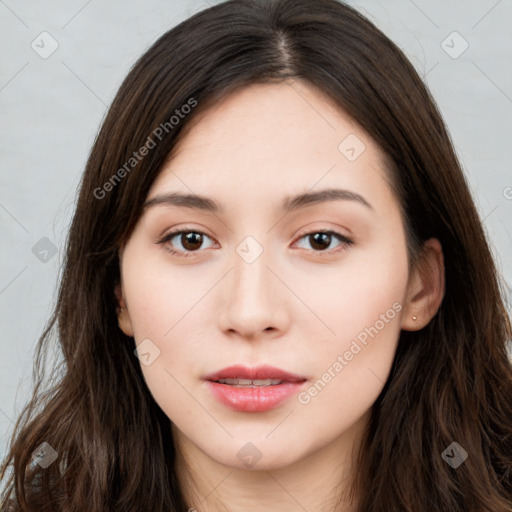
(258, 276)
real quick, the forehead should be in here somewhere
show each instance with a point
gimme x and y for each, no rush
(292, 115)
(265, 139)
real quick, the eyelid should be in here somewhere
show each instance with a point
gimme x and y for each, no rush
(185, 229)
(311, 230)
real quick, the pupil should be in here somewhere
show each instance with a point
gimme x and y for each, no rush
(189, 240)
(318, 243)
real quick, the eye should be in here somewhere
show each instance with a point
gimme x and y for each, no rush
(320, 240)
(190, 241)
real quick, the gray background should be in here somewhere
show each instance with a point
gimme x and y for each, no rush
(51, 108)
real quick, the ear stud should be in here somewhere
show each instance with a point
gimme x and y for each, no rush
(414, 318)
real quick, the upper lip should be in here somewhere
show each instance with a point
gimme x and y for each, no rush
(255, 373)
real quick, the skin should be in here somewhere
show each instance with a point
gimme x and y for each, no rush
(297, 306)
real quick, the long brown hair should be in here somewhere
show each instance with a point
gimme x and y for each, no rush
(450, 381)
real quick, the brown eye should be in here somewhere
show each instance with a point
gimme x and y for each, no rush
(320, 241)
(187, 241)
(191, 241)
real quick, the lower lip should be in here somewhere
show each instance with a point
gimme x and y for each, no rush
(254, 399)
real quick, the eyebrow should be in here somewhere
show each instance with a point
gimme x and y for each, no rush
(291, 203)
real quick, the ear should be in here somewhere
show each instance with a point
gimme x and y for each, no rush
(123, 317)
(426, 287)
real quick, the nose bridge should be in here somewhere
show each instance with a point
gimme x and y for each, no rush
(251, 275)
(252, 302)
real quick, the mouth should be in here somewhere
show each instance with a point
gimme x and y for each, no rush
(257, 389)
(248, 383)
(239, 375)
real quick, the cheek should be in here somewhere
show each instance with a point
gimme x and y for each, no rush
(160, 296)
(164, 309)
(363, 305)
(167, 309)
(352, 366)
(366, 290)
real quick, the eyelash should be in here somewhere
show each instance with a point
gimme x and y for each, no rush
(345, 245)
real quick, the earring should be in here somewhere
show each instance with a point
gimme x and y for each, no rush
(121, 310)
(414, 317)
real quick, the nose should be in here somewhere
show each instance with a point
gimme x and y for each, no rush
(253, 303)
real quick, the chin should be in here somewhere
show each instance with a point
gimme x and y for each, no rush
(259, 456)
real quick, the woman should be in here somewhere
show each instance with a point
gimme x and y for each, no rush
(277, 293)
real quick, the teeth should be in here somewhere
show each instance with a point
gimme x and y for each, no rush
(249, 382)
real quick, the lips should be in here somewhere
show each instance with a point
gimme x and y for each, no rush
(259, 373)
(257, 389)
